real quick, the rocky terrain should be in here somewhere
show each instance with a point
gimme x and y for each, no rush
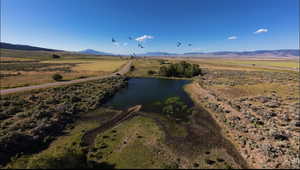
(260, 112)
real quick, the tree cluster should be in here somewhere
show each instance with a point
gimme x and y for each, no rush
(182, 69)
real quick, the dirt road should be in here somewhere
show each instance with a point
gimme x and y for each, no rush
(122, 71)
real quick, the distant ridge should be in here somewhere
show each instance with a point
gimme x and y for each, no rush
(282, 53)
(94, 52)
(157, 54)
(23, 47)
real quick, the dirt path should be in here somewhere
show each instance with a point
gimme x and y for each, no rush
(122, 71)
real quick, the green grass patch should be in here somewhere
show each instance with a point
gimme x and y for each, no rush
(137, 143)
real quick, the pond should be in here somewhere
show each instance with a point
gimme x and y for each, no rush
(147, 92)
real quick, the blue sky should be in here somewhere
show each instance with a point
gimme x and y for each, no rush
(209, 25)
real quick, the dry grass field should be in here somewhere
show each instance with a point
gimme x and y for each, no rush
(251, 64)
(254, 106)
(18, 69)
(104, 65)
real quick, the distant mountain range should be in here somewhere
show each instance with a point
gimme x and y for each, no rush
(94, 52)
(157, 54)
(283, 53)
(23, 47)
(4, 45)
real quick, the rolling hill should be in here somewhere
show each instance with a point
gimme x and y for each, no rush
(24, 47)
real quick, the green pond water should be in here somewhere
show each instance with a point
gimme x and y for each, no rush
(147, 92)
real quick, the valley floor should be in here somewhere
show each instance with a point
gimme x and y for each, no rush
(245, 117)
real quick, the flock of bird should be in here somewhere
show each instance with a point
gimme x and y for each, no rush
(141, 46)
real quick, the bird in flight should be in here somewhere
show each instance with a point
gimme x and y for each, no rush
(113, 40)
(179, 44)
(189, 45)
(140, 45)
(130, 38)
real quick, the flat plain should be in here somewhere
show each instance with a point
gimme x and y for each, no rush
(245, 109)
(33, 68)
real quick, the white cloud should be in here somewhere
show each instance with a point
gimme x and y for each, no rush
(232, 38)
(262, 30)
(125, 44)
(143, 38)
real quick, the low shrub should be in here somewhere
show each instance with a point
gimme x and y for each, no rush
(57, 77)
(132, 68)
(175, 107)
(151, 72)
(55, 56)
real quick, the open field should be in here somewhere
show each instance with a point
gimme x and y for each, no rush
(273, 63)
(245, 116)
(91, 64)
(106, 66)
(46, 55)
(260, 64)
(18, 69)
(142, 66)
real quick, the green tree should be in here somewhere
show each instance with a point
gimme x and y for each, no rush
(196, 69)
(189, 72)
(163, 71)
